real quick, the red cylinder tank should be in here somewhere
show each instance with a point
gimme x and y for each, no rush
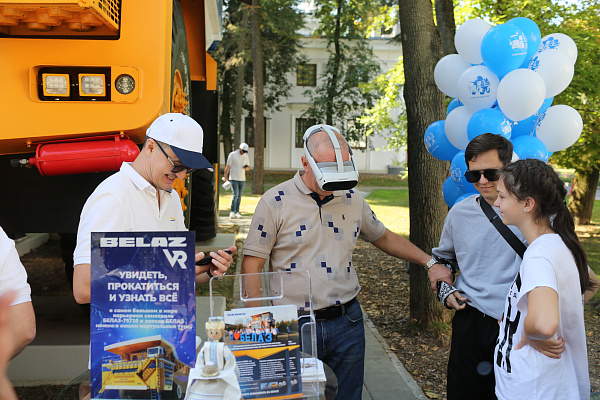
(80, 156)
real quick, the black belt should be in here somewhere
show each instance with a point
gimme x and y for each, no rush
(332, 312)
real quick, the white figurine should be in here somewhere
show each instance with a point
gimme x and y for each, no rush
(215, 373)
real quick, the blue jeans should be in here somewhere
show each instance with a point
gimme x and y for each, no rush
(237, 187)
(341, 345)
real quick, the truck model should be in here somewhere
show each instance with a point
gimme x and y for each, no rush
(81, 82)
(148, 365)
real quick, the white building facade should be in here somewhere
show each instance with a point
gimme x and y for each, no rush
(284, 129)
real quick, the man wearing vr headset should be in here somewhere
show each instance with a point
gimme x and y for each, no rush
(311, 223)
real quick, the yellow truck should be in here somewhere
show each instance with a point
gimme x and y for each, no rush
(147, 366)
(81, 82)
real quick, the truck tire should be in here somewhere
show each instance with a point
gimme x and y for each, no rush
(181, 93)
(174, 394)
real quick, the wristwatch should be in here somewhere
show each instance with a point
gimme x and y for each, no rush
(430, 263)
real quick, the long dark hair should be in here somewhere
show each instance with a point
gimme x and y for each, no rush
(535, 179)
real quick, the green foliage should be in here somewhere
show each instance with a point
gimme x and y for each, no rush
(338, 98)
(280, 22)
(388, 112)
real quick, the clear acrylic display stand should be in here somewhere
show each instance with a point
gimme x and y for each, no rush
(269, 289)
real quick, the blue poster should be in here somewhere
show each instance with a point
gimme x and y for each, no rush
(143, 314)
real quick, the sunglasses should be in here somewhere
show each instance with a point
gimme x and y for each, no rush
(474, 176)
(177, 168)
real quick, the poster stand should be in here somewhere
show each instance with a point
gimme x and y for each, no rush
(262, 296)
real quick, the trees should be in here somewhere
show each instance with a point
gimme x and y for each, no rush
(277, 23)
(583, 26)
(338, 99)
(422, 48)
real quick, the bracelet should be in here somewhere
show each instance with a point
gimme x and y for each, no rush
(430, 263)
(208, 273)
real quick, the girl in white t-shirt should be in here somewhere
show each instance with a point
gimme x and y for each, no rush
(545, 300)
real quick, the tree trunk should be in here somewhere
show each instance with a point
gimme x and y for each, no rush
(421, 47)
(333, 82)
(239, 91)
(258, 86)
(444, 15)
(583, 195)
(225, 120)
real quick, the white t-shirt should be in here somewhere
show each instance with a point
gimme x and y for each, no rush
(12, 273)
(526, 373)
(126, 202)
(237, 162)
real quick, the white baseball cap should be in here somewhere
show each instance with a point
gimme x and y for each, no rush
(184, 135)
(244, 146)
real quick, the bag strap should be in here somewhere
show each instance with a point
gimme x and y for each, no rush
(506, 233)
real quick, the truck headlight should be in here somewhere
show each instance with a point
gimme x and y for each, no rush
(125, 84)
(92, 85)
(56, 84)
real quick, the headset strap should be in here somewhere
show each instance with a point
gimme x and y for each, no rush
(506, 233)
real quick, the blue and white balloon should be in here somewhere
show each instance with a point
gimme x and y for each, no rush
(468, 37)
(555, 68)
(453, 104)
(504, 48)
(489, 120)
(530, 147)
(533, 35)
(436, 142)
(559, 127)
(447, 71)
(456, 127)
(525, 127)
(477, 88)
(451, 192)
(458, 167)
(560, 42)
(521, 93)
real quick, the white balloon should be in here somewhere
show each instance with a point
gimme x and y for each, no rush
(561, 42)
(456, 127)
(477, 88)
(447, 71)
(559, 127)
(468, 37)
(555, 68)
(521, 93)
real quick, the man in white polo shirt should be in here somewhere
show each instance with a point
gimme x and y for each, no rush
(13, 277)
(237, 165)
(140, 197)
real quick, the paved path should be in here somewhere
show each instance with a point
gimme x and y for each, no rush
(385, 376)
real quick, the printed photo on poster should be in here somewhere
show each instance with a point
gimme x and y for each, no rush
(265, 342)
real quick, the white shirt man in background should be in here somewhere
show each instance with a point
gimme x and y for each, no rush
(237, 165)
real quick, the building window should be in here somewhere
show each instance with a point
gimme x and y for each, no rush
(355, 135)
(306, 75)
(302, 124)
(249, 129)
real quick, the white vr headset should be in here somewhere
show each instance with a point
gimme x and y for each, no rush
(330, 176)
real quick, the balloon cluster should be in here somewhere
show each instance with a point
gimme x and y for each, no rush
(503, 81)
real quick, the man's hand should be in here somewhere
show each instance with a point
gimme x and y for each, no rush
(219, 264)
(439, 272)
(550, 347)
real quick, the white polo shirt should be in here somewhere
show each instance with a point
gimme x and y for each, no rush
(237, 162)
(126, 202)
(12, 273)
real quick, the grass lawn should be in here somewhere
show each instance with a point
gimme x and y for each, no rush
(391, 207)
